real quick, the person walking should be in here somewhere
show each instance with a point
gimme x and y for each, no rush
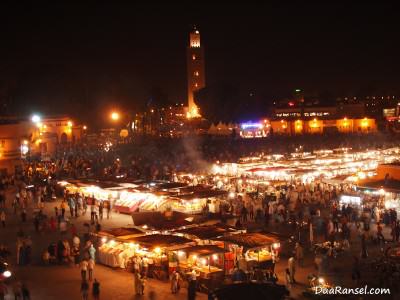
(75, 254)
(251, 211)
(292, 268)
(175, 282)
(71, 205)
(145, 266)
(63, 207)
(92, 213)
(92, 252)
(244, 213)
(76, 208)
(101, 209)
(84, 290)
(192, 289)
(136, 282)
(76, 241)
(15, 205)
(91, 264)
(84, 267)
(364, 252)
(3, 218)
(299, 254)
(142, 284)
(96, 290)
(108, 208)
(84, 206)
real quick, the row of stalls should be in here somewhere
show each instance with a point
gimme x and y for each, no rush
(299, 166)
(153, 196)
(208, 251)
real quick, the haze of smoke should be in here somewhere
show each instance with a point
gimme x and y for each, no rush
(191, 146)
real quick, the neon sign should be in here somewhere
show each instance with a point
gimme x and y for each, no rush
(251, 125)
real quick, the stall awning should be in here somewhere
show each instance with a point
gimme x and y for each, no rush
(249, 240)
(160, 240)
(158, 221)
(206, 232)
(204, 250)
(120, 232)
(202, 194)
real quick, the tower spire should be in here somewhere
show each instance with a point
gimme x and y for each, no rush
(195, 70)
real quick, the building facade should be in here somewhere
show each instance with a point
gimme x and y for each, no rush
(22, 138)
(319, 126)
(52, 131)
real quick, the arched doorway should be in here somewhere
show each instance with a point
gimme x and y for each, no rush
(64, 138)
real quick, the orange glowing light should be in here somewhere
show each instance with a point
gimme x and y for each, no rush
(193, 113)
(114, 116)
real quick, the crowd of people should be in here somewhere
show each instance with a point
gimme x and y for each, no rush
(311, 210)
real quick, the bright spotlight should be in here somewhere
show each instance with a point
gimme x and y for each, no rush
(35, 118)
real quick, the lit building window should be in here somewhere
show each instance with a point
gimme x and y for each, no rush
(196, 85)
(196, 73)
(364, 122)
(193, 57)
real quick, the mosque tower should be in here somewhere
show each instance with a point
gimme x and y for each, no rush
(195, 71)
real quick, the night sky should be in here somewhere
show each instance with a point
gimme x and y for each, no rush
(84, 59)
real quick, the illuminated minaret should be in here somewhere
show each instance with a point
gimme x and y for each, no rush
(195, 71)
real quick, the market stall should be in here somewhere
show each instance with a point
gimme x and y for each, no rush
(114, 250)
(252, 249)
(384, 195)
(206, 262)
(195, 200)
(158, 249)
(130, 201)
(115, 253)
(94, 190)
(119, 250)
